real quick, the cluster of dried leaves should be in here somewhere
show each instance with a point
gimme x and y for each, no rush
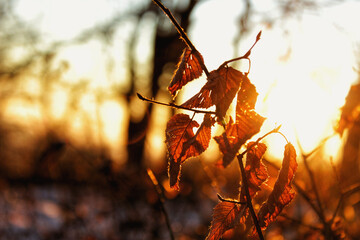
(222, 85)
(186, 138)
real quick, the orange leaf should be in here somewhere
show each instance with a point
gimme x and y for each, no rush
(236, 134)
(182, 143)
(226, 215)
(247, 95)
(200, 142)
(188, 69)
(255, 170)
(219, 90)
(282, 193)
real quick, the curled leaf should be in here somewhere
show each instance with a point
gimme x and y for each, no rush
(255, 171)
(182, 143)
(225, 216)
(219, 90)
(236, 134)
(282, 193)
(188, 69)
(247, 95)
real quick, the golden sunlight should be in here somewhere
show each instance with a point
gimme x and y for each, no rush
(305, 93)
(302, 78)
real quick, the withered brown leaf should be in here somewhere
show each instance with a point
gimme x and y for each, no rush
(236, 134)
(225, 216)
(255, 171)
(220, 89)
(247, 96)
(182, 143)
(282, 193)
(188, 69)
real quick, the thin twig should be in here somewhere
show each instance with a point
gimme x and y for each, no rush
(322, 142)
(312, 180)
(303, 193)
(160, 194)
(173, 105)
(275, 130)
(296, 221)
(182, 34)
(245, 183)
(248, 197)
(246, 55)
(345, 194)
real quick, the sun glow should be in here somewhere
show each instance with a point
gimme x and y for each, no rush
(306, 91)
(302, 78)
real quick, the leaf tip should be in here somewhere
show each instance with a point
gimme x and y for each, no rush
(258, 36)
(141, 97)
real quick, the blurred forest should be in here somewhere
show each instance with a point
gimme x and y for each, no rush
(74, 150)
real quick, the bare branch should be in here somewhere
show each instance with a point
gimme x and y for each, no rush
(246, 55)
(173, 105)
(182, 34)
(248, 197)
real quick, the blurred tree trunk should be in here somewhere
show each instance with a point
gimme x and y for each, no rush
(167, 49)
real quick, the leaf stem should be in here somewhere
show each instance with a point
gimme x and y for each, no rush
(182, 34)
(248, 197)
(246, 55)
(275, 130)
(173, 105)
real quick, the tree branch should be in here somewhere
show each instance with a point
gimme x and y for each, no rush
(248, 197)
(246, 55)
(182, 34)
(173, 105)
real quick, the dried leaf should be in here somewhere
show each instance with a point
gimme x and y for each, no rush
(182, 143)
(226, 215)
(188, 69)
(200, 142)
(219, 90)
(247, 95)
(255, 171)
(236, 134)
(282, 193)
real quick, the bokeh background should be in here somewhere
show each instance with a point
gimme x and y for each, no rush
(75, 141)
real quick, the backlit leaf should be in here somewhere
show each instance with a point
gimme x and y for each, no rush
(219, 90)
(282, 193)
(255, 171)
(247, 95)
(225, 216)
(187, 70)
(200, 141)
(236, 134)
(182, 143)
